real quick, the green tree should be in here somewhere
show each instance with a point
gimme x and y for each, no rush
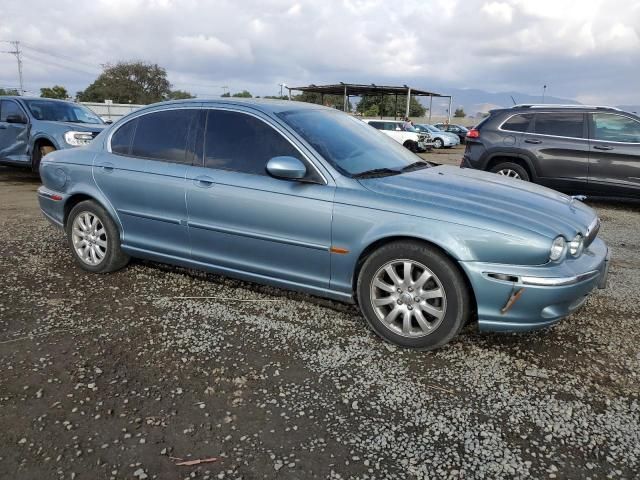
(225, 95)
(9, 91)
(459, 113)
(242, 94)
(57, 91)
(179, 95)
(129, 82)
(387, 106)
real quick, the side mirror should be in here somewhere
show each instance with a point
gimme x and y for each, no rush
(286, 168)
(16, 119)
(109, 122)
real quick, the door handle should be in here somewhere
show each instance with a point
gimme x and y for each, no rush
(602, 147)
(203, 181)
(531, 140)
(106, 166)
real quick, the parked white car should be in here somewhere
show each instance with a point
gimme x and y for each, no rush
(441, 139)
(407, 136)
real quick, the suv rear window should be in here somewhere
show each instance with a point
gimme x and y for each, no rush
(560, 124)
(518, 123)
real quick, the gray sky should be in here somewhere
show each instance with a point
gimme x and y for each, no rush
(588, 50)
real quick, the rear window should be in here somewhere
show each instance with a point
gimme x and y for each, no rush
(518, 123)
(560, 124)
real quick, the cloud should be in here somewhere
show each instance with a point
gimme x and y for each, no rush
(587, 49)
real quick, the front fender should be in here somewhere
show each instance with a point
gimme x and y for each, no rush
(56, 142)
(357, 228)
(523, 155)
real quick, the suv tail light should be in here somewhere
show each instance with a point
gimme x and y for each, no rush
(473, 133)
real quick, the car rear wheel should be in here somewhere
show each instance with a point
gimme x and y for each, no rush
(412, 295)
(512, 170)
(94, 239)
(438, 143)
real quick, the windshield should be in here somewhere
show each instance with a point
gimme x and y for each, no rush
(62, 112)
(348, 144)
(431, 128)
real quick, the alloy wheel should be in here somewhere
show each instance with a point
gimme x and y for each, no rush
(507, 172)
(89, 238)
(408, 298)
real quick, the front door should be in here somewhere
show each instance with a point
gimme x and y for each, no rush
(614, 155)
(14, 135)
(243, 221)
(144, 178)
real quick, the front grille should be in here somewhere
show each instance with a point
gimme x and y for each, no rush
(592, 232)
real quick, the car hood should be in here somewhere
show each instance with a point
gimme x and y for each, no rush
(486, 200)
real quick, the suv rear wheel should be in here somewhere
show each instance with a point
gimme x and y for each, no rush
(510, 169)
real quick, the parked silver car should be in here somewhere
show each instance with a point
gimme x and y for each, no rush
(440, 138)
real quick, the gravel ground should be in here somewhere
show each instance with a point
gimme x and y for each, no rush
(107, 377)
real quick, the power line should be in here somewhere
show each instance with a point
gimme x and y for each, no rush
(37, 58)
(59, 56)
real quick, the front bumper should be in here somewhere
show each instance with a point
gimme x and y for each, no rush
(521, 298)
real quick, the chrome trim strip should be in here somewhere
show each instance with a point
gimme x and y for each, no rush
(203, 106)
(258, 236)
(149, 216)
(559, 281)
(542, 281)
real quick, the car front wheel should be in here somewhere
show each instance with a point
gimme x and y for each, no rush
(94, 239)
(438, 143)
(413, 296)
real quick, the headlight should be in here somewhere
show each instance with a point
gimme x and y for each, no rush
(576, 245)
(558, 248)
(77, 139)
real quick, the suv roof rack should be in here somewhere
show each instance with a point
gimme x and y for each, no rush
(558, 105)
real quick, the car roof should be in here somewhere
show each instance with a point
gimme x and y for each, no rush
(548, 107)
(30, 98)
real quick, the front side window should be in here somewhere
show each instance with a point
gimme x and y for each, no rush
(242, 143)
(518, 123)
(163, 135)
(615, 128)
(560, 124)
(8, 108)
(377, 125)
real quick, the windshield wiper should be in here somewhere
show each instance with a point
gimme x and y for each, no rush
(416, 166)
(377, 172)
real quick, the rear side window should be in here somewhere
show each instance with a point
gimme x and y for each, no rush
(242, 143)
(615, 128)
(378, 125)
(560, 124)
(9, 107)
(518, 123)
(121, 140)
(164, 135)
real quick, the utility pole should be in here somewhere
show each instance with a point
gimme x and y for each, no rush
(18, 54)
(544, 91)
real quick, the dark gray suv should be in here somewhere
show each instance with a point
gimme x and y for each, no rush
(574, 149)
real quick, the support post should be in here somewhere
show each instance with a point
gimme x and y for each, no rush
(408, 102)
(430, 106)
(345, 99)
(395, 108)
(450, 102)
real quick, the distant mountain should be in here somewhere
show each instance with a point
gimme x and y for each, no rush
(475, 101)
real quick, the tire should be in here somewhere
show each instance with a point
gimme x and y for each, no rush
(511, 170)
(447, 292)
(107, 256)
(413, 146)
(438, 143)
(38, 153)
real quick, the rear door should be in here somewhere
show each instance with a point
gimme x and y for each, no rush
(614, 154)
(143, 176)
(14, 137)
(560, 147)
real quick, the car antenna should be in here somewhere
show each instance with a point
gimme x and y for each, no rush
(513, 100)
